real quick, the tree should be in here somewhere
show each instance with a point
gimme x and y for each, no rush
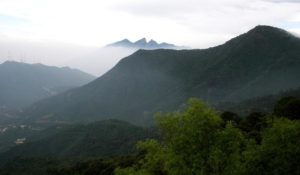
(230, 116)
(279, 152)
(253, 125)
(288, 107)
(194, 143)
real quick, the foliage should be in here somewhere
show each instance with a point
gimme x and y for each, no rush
(264, 104)
(253, 124)
(279, 152)
(195, 143)
(55, 166)
(230, 116)
(100, 139)
(288, 107)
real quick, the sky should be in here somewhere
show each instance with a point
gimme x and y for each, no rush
(194, 23)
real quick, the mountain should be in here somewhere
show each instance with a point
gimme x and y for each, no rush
(23, 84)
(263, 61)
(101, 60)
(99, 139)
(143, 44)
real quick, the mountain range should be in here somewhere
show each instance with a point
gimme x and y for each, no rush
(23, 84)
(263, 61)
(143, 44)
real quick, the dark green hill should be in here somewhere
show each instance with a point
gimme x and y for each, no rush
(99, 139)
(263, 61)
(22, 84)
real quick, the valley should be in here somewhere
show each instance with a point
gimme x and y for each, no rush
(228, 109)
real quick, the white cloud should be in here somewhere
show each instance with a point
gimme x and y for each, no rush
(199, 23)
(41, 24)
(284, 1)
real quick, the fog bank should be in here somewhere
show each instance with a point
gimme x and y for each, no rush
(93, 60)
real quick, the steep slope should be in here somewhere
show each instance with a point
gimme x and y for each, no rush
(22, 84)
(263, 61)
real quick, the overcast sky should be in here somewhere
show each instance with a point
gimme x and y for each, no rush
(195, 23)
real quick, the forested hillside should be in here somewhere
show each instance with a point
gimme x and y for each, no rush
(263, 61)
(99, 139)
(193, 140)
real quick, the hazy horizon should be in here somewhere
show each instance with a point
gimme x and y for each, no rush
(147, 87)
(72, 33)
(195, 23)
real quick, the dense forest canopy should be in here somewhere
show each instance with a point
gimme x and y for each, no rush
(194, 140)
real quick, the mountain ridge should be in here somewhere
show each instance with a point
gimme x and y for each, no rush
(143, 44)
(260, 62)
(23, 83)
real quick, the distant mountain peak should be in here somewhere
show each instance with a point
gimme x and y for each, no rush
(141, 41)
(143, 44)
(125, 40)
(262, 35)
(17, 63)
(267, 29)
(11, 62)
(152, 42)
(257, 63)
(270, 32)
(260, 27)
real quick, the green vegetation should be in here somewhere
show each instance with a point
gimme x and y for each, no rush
(263, 61)
(100, 139)
(264, 104)
(8, 138)
(288, 107)
(55, 166)
(194, 142)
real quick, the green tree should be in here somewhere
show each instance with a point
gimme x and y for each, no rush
(152, 163)
(288, 107)
(253, 125)
(230, 116)
(279, 152)
(193, 143)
